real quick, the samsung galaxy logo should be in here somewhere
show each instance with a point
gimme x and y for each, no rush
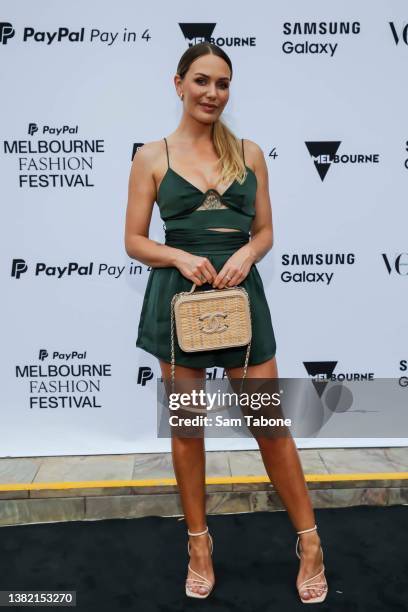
(317, 259)
(313, 28)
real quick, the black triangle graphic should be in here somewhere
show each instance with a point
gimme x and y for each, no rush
(324, 148)
(314, 368)
(192, 31)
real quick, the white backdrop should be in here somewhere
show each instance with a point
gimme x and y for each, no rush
(303, 88)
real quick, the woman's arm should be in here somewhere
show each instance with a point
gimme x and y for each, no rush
(238, 266)
(262, 229)
(141, 198)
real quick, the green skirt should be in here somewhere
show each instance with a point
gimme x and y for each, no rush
(154, 332)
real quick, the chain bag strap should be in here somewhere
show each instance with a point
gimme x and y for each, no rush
(184, 297)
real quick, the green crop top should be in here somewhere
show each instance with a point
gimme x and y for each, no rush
(183, 206)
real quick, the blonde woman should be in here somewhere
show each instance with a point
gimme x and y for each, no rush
(212, 193)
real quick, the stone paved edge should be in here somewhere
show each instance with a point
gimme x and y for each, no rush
(28, 511)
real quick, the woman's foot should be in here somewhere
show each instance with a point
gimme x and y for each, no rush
(310, 565)
(201, 562)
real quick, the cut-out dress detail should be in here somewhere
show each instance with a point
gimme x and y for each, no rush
(190, 215)
(212, 201)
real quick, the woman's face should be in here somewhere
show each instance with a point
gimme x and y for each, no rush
(206, 82)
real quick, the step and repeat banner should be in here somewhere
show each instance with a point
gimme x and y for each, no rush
(321, 88)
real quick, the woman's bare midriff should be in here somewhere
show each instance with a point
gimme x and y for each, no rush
(223, 229)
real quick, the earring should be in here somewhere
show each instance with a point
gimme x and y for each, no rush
(181, 96)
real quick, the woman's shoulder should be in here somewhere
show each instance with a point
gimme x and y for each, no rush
(150, 158)
(253, 153)
(149, 151)
(252, 147)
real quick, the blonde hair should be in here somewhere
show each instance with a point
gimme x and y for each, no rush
(226, 144)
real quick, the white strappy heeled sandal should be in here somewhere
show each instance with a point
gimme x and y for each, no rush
(201, 580)
(317, 586)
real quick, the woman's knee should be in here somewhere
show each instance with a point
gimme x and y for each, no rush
(183, 372)
(266, 369)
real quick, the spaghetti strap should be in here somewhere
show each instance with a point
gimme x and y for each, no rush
(167, 151)
(243, 155)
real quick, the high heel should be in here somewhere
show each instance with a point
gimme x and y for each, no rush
(201, 581)
(317, 586)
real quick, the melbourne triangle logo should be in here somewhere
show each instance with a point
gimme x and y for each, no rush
(321, 369)
(197, 32)
(323, 153)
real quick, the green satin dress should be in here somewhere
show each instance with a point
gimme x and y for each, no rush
(189, 214)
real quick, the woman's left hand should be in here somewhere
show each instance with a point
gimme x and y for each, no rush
(235, 269)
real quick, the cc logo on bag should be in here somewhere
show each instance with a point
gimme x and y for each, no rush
(213, 322)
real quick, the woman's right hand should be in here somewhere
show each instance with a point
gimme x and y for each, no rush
(198, 270)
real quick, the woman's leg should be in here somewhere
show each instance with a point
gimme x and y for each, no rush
(284, 468)
(188, 456)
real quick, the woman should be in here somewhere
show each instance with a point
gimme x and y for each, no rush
(212, 192)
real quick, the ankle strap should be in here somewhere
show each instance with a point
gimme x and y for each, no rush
(198, 533)
(306, 530)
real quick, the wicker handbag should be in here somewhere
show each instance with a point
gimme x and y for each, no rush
(212, 319)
